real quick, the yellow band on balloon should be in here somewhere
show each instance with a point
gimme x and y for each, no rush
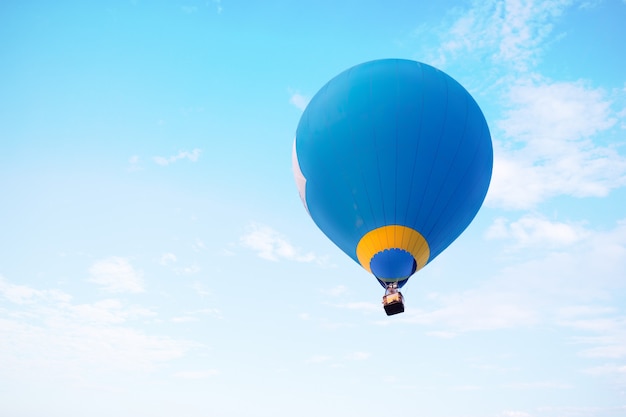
(393, 237)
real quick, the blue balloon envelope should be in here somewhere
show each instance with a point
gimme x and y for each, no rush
(392, 159)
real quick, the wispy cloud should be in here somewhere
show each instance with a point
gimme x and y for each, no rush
(196, 315)
(53, 335)
(218, 6)
(168, 258)
(537, 232)
(171, 260)
(23, 294)
(502, 33)
(616, 372)
(339, 362)
(474, 311)
(192, 156)
(337, 290)
(358, 356)
(549, 150)
(553, 138)
(116, 275)
(608, 369)
(273, 246)
(134, 163)
(608, 335)
(198, 245)
(201, 289)
(554, 287)
(189, 9)
(298, 100)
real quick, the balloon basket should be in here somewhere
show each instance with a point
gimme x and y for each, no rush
(393, 303)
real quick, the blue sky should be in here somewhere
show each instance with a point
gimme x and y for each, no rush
(156, 259)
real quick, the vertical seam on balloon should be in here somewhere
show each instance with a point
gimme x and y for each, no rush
(450, 168)
(463, 137)
(468, 168)
(333, 144)
(369, 200)
(364, 188)
(363, 182)
(438, 142)
(470, 165)
(380, 187)
(395, 182)
(354, 148)
(420, 113)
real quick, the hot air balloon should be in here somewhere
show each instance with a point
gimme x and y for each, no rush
(392, 159)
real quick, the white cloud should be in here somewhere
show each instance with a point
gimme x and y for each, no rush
(187, 270)
(298, 100)
(572, 288)
(22, 294)
(609, 339)
(610, 369)
(359, 356)
(509, 33)
(168, 258)
(337, 290)
(193, 316)
(107, 311)
(218, 6)
(549, 151)
(271, 245)
(201, 289)
(536, 232)
(474, 310)
(134, 163)
(51, 335)
(116, 275)
(198, 245)
(544, 113)
(577, 311)
(193, 156)
(548, 142)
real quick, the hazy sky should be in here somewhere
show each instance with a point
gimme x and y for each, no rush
(156, 259)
